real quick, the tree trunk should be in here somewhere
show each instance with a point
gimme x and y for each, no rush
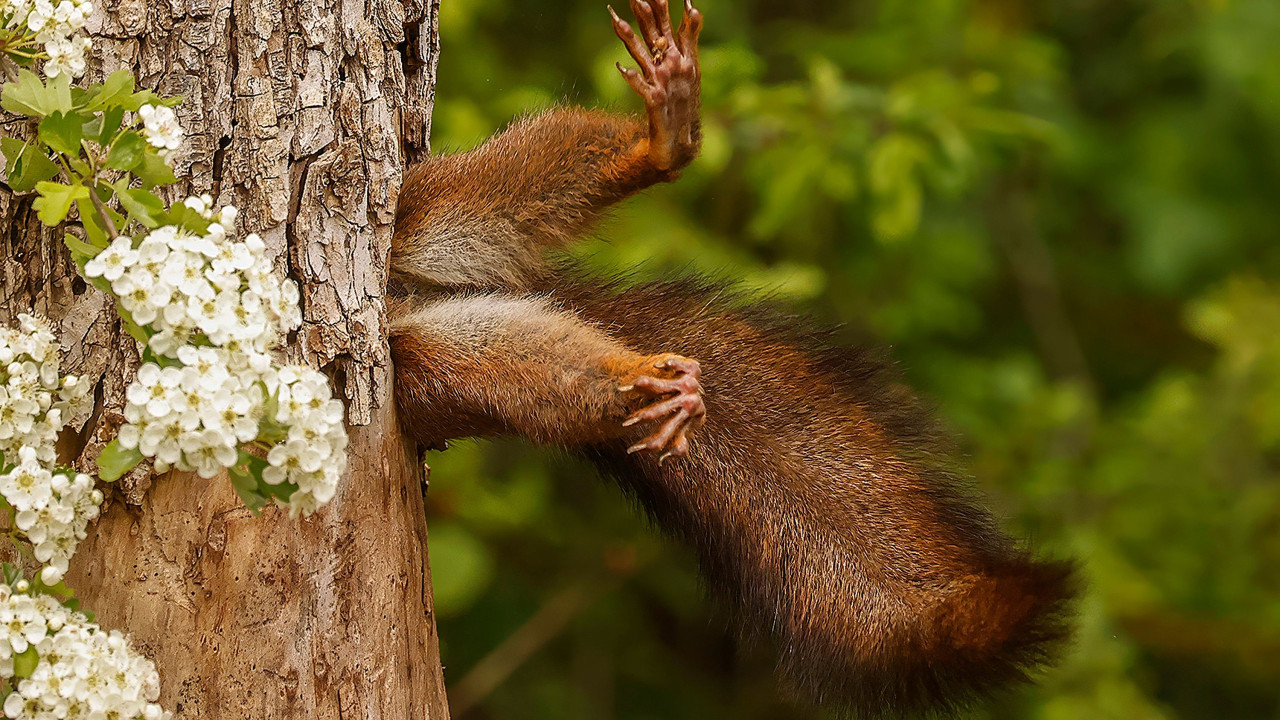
(300, 113)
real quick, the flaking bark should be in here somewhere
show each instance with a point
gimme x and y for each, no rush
(301, 113)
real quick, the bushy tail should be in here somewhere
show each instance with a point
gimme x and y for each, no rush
(822, 517)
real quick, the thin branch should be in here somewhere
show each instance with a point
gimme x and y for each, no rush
(550, 620)
(107, 223)
(1035, 275)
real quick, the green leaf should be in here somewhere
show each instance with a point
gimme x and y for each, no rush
(148, 356)
(59, 94)
(98, 235)
(142, 205)
(92, 127)
(280, 492)
(81, 251)
(76, 245)
(27, 96)
(24, 663)
(154, 171)
(111, 93)
(188, 219)
(12, 149)
(115, 461)
(59, 588)
(271, 407)
(147, 97)
(127, 151)
(27, 164)
(270, 431)
(245, 484)
(62, 132)
(79, 166)
(110, 119)
(55, 200)
(12, 574)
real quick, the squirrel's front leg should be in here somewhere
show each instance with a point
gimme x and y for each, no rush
(482, 219)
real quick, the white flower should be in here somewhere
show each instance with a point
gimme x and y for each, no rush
(162, 439)
(82, 672)
(27, 484)
(52, 509)
(56, 26)
(66, 56)
(144, 302)
(154, 389)
(215, 305)
(184, 286)
(34, 403)
(112, 262)
(194, 416)
(313, 455)
(160, 127)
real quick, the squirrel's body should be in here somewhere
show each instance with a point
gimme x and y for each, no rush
(819, 511)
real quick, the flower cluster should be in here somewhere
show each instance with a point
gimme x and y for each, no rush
(35, 402)
(51, 508)
(160, 127)
(313, 453)
(56, 27)
(216, 311)
(83, 672)
(186, 285)
(195, 416)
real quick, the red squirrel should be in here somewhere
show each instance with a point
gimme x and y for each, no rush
(805, 478)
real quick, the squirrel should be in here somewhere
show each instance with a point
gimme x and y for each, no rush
(805, 477)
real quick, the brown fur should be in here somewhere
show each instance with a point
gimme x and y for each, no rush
(484, 218)
(818, 499)
(822, 517)
(496, 363)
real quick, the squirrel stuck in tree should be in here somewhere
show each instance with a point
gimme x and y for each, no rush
(805, 477)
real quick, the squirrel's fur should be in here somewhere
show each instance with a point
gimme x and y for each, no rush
(822, 508)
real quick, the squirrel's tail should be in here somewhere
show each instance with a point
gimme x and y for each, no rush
(822, 518)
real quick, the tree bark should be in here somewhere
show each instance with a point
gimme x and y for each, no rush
(300, 113)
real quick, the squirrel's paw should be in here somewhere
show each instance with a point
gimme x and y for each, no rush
(680, 404)
(668, 79)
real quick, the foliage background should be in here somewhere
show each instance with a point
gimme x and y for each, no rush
(1061, 216)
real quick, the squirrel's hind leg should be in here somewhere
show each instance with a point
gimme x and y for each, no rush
(508, 364)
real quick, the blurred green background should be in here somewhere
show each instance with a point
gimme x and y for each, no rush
(1063, 218)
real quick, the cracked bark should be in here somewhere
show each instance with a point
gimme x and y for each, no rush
(301, 113)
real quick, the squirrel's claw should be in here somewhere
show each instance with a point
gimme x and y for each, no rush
(647, 20)
(637, 50)
(664, 436)
(684, 409)
(690, 28)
